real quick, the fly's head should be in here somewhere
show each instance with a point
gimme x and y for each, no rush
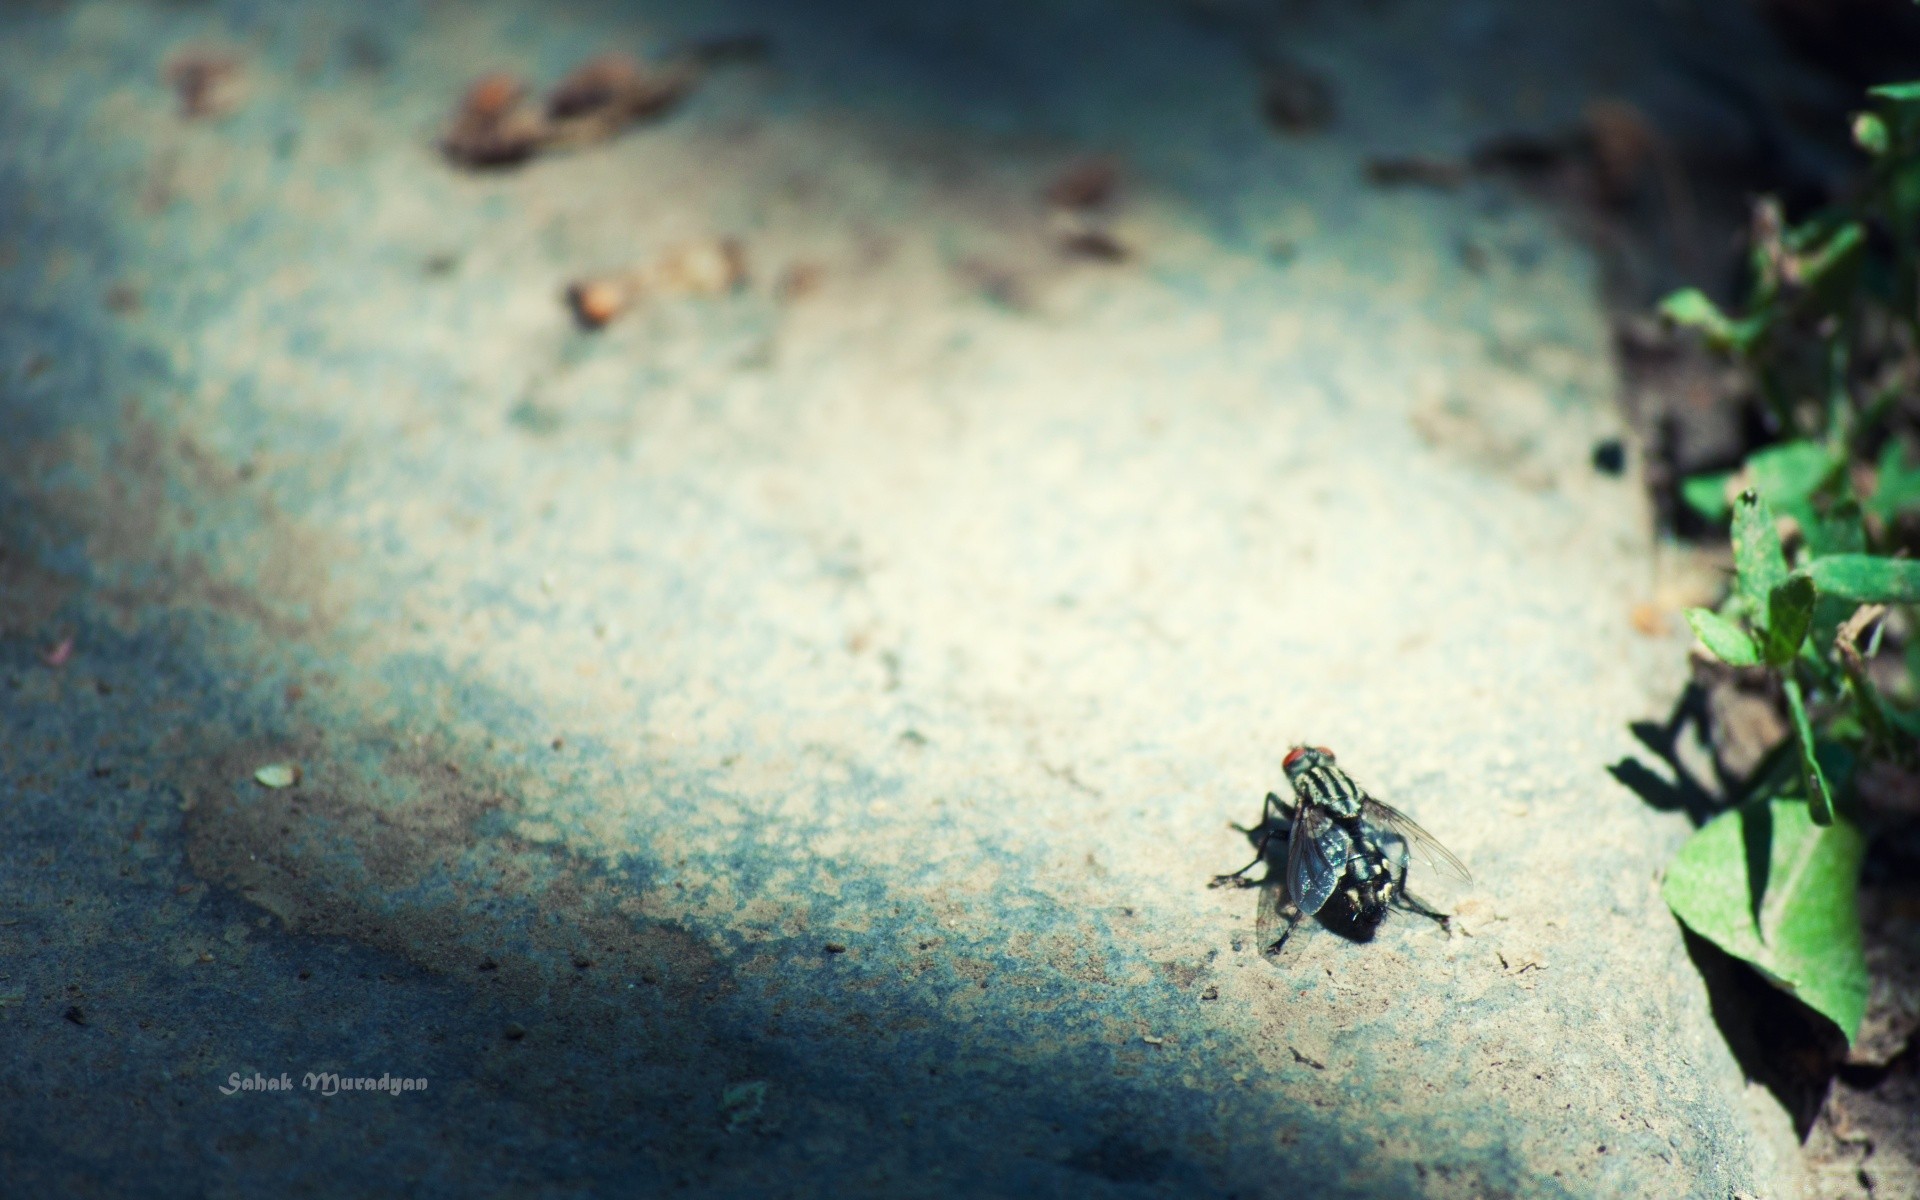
(1305, 758)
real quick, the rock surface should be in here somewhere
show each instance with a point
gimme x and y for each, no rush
(783, 738)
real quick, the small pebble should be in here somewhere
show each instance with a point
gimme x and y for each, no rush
(277, 775)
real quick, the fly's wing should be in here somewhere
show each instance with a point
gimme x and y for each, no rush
(1424, 844)
(1271, 920)
(1317, 851)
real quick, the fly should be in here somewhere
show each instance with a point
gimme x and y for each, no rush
(1345, 849)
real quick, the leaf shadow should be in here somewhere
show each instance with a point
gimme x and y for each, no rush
(1778, 1042)
(1681, 790)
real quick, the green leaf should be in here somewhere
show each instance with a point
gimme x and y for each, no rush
(1790, 473)
(1691, 308)
(1905, 720)
(1897, 485)
(1870, 133)
(1767, 885)
(1728, 642)
(1867, 578)
(1829, 614)
(1837, 249)
(1759, 562)
(1819, 795)
(1897, 91)
(1839, 531)
(1789, 614)
(1707, 494)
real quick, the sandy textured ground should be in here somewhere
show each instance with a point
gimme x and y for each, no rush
(784, 738)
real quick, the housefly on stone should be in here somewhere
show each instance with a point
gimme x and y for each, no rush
(1347, 853)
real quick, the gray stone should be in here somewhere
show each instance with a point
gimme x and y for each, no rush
(795, 754)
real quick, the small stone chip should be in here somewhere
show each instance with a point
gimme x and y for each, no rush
(1151, 1040)
(277, 775)
(834, 948)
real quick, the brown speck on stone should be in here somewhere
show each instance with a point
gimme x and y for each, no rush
(207, 83)
(799, 281)
(597, 301)
(489, 128)
(1096, 245)
(1648, 620)
(1089, 183)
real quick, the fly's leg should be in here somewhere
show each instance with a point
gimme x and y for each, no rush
(1239, 878)
(1407, 900)
(1293, 923)
(1414, 904)
(1269, 828)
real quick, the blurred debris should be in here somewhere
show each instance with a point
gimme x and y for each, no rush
(1088, 184)
(1093, 243)
(207, 82)
(1079, 196)
(1416, 171)
(798, 281)
(1649, 619)
(493, 125)
(706, 267)
(489, 128)
(1610, 457)
(596, 301)
(1623, 145)
(57, 654)
(1296, 100)
(604, 95)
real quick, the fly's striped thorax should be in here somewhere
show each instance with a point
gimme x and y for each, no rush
(1329, 787)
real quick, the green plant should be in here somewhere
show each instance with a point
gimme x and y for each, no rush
(1831, 342)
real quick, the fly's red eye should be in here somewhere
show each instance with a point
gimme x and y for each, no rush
(1293, 756)
(1325, 751)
